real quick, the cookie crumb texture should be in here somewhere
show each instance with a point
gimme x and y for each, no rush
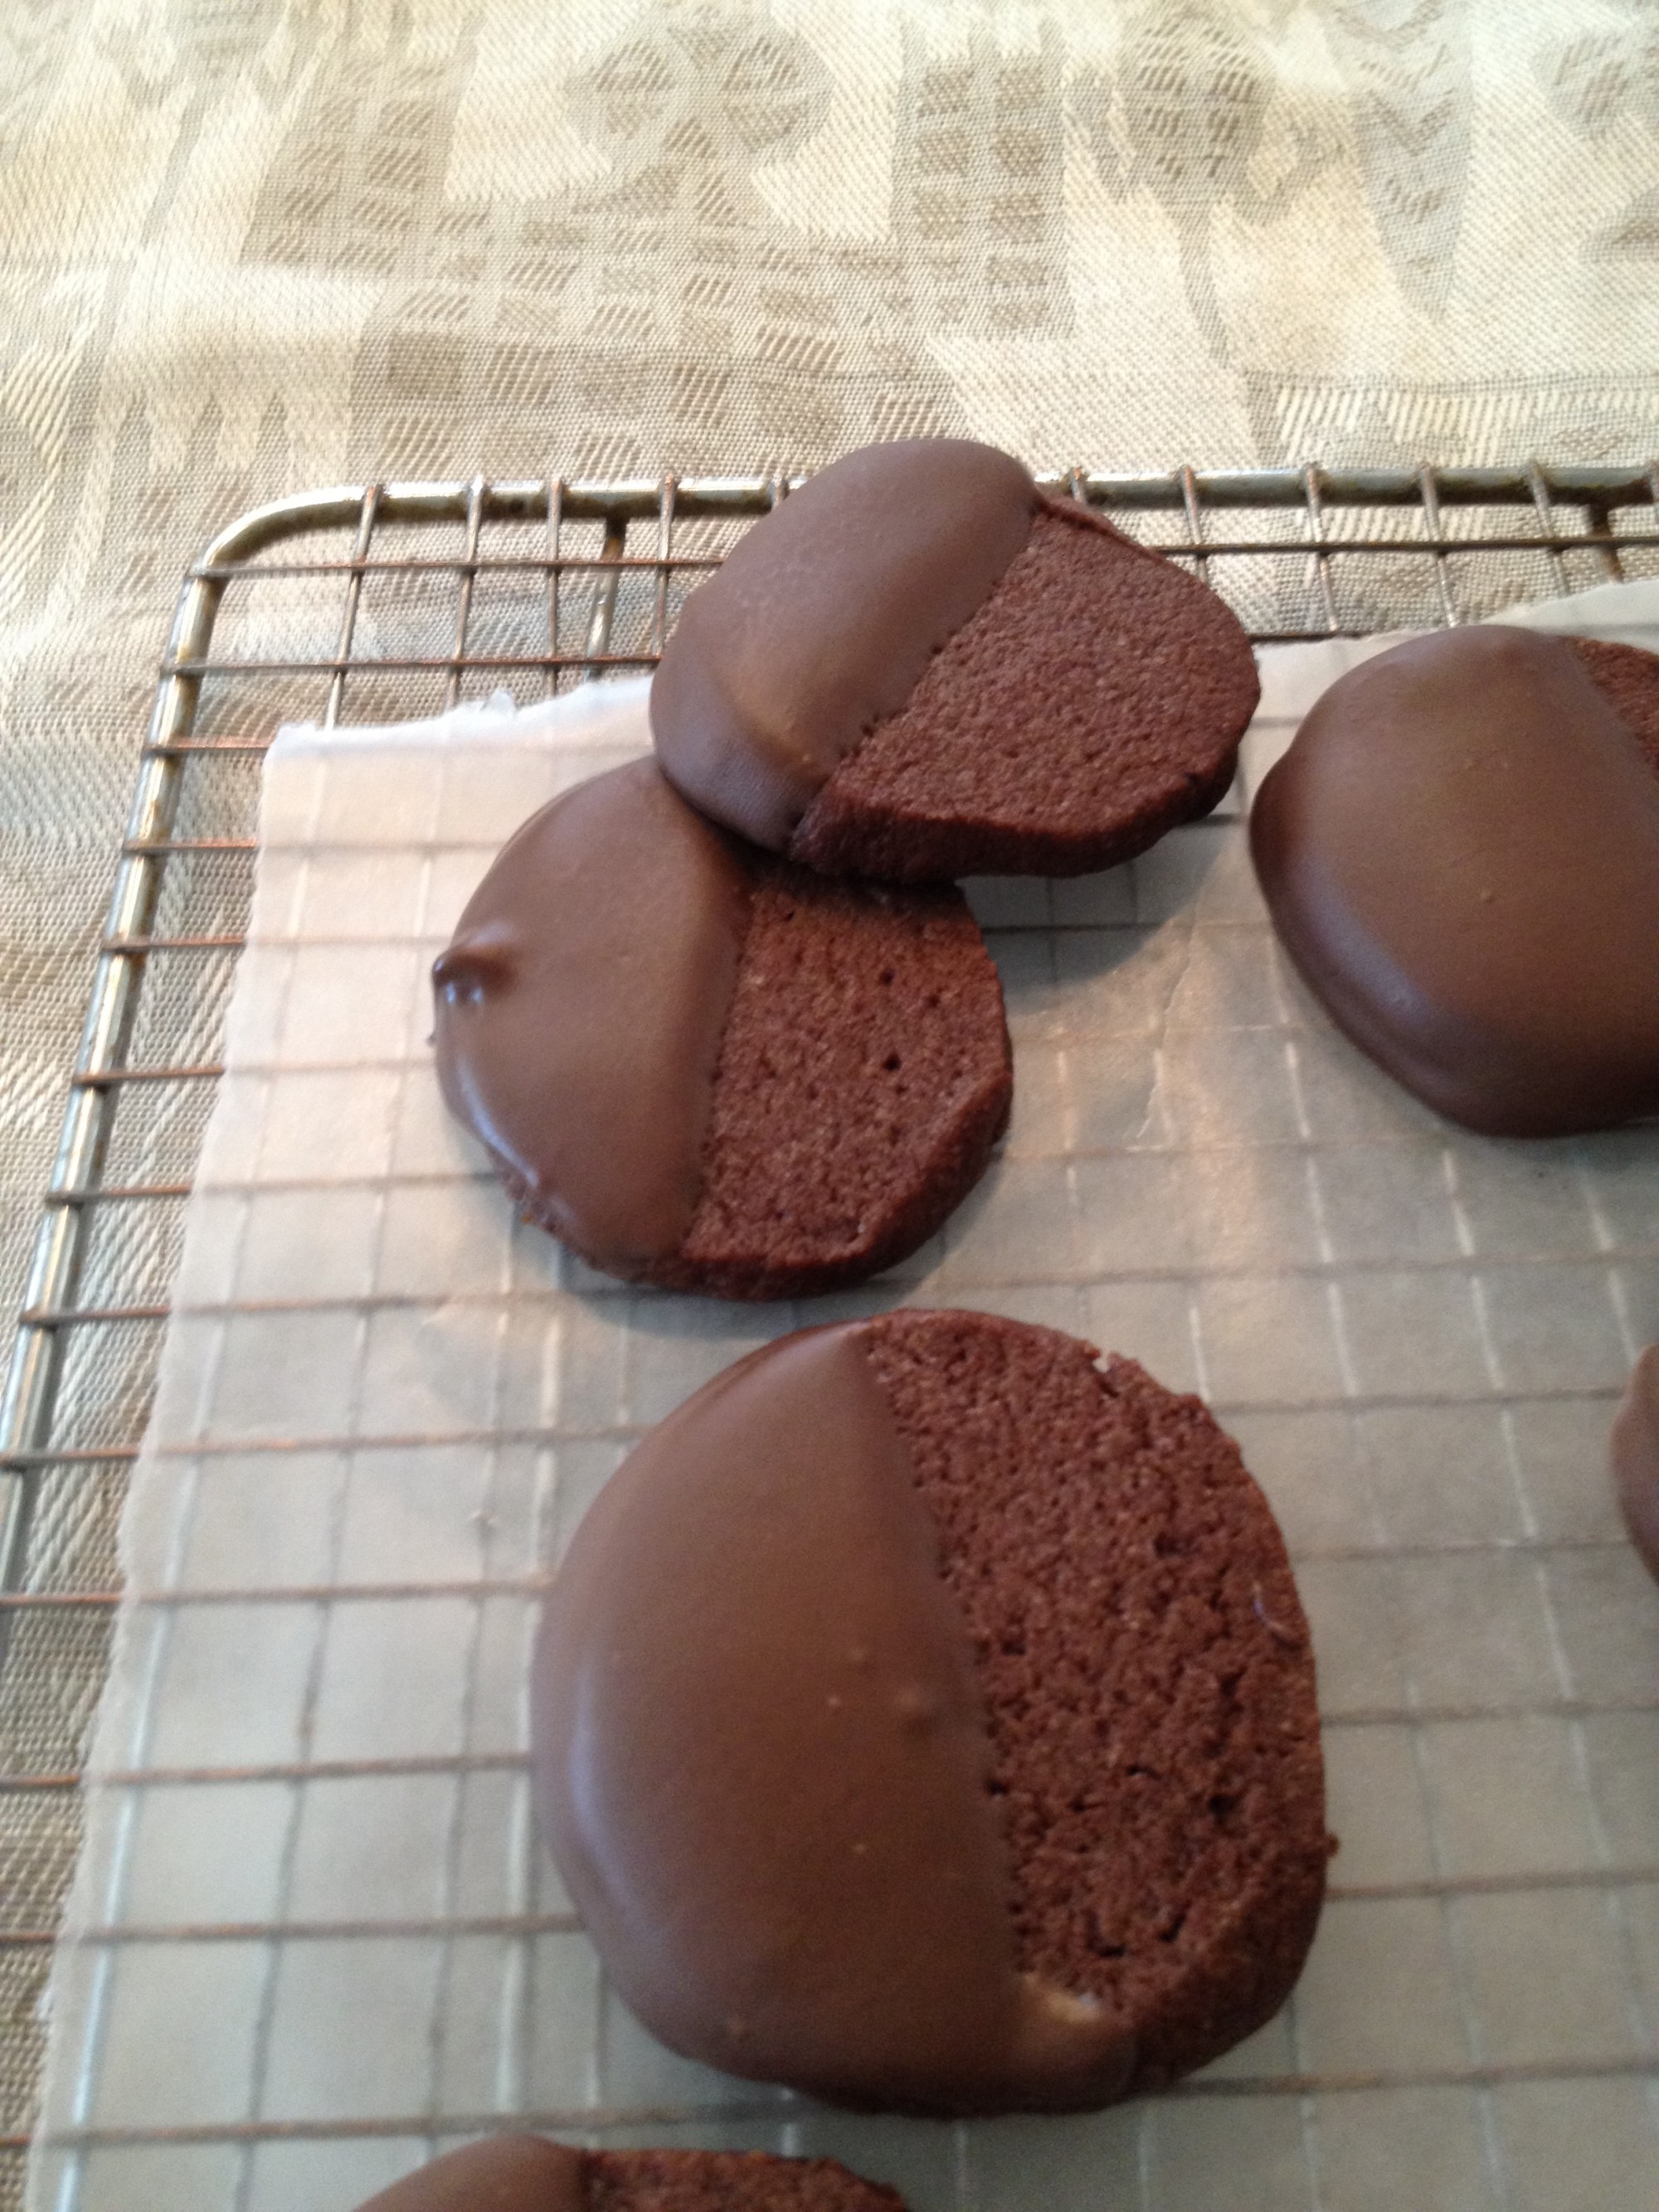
(1146, 1671)
(1093, 701)
(864, 1076)
(1628, 678)
(727, 2181)
(529, 2173)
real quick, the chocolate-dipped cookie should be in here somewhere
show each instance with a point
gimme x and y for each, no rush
(920, 666)
(700, 1067)
(924, 1717)
(1461, 853)
(528, 2174)
(1635, 1452)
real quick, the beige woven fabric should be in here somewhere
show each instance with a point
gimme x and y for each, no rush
(248, 246)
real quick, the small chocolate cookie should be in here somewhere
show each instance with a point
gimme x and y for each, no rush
(920, 665)
(700, 1067)
(528, 2174)
(924, 1717)
(1635, 1452)
(1461, 853)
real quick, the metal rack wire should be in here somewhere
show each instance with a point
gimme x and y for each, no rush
(372, 603)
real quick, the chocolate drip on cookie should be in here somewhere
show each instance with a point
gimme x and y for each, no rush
(580, 1008)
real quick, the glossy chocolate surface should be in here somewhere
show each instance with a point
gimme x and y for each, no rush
(822, 619)
(1635, 1451)
(580, 1008)
(501, 2173)
(761, 1760)
(1461, 851)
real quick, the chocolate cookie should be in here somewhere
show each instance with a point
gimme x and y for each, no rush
(700, 1067)
(920, 665)
(925, 1718)
(1635, 1449)
(1461, 851)
(528, 2174)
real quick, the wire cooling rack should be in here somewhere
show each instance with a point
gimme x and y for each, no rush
(385, 602)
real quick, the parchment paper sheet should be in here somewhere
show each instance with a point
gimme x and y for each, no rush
(375, 1384)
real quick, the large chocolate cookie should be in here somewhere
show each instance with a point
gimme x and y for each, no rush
(1461, 851)
(925, 1718)
(700, 1067)
(528, 2174)
(921, 666)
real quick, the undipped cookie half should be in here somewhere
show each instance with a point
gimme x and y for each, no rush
(1461, 853)
(528, 2174)
(921, 666)
(924, 1717)
(701, 1067)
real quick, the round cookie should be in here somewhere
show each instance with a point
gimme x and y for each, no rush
(701, 1067)
(528, 2174)
(1635, 1454)
(921, 666)
(1461, 853)
(924, 1717)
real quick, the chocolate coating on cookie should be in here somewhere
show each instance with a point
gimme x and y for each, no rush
(581, 1007)
(501, 2174)
(821, 621)
(1461, 853)
(1635, 1452)
(922, 666)
(761, 1761)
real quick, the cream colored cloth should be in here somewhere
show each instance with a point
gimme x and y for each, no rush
(248, 248)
